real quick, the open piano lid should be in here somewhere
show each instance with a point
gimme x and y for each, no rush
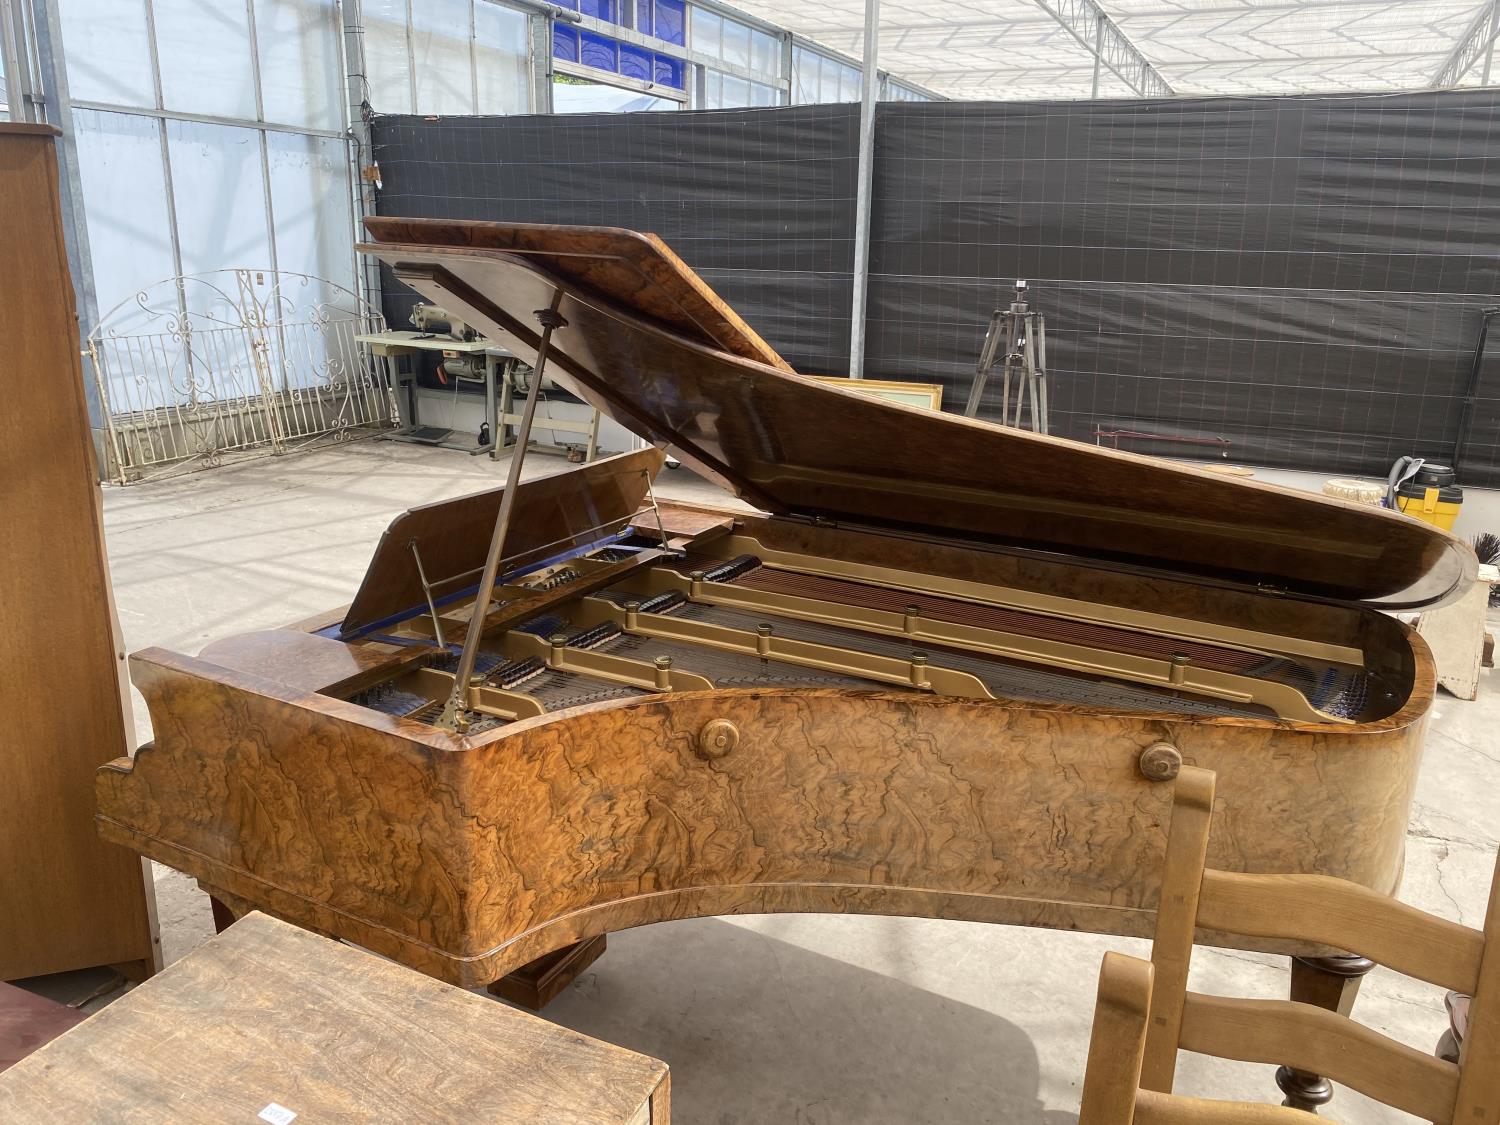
(650, 345)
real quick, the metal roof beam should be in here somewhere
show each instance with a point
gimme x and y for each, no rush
(1474, 44)
(1090, 24)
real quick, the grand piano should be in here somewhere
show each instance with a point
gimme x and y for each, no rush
(942, 668)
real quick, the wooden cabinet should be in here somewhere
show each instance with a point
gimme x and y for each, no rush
(67, 899)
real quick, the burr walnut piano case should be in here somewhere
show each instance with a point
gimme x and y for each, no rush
(941, 672)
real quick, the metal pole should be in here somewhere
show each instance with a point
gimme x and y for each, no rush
(862, 191)
(458, 698)
(362, 153)
(1098, 52)
(1489, 56)
(1471, 392)
(57, 109)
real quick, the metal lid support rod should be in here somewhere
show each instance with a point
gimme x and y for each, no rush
(457, 705)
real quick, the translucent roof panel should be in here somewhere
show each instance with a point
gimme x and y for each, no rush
(1017, 49)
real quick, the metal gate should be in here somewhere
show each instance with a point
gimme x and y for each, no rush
(242, 361)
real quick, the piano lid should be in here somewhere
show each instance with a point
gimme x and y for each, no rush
(650, 345)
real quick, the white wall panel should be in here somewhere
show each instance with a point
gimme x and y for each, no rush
(310, 205)
(203, 50)
(387, 57)
(312, 216)
(219, 193)
(301, 77)
(440, 53)
(109, 51)
(130, 240)
(124, 199)
(502, 58)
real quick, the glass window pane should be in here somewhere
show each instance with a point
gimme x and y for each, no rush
(817, 78)
(125, 208)
(109, 54)
(736, 43)
(599, 9)
(828, 80)
(635, 62)
(310, 207)
(300, 72)
(708, 32)
(765, 53)
(671, 72)
(124, 203)
(578, 95)
(598, 51)
(564, 43)
(713, 92)
(736, 92)
(387, 64)
(669, 21)
(502, 54)
(804, 76)
(204, 54)
(219, 196)
(440, 53)
(849, 85)
(761, 94)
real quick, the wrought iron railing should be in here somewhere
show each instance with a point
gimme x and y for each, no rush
(197, 368)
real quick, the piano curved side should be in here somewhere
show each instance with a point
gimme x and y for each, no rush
(468, 858)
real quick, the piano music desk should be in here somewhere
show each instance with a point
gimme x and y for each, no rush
(267, 1015)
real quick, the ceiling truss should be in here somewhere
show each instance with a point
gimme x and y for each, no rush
(1477, 42)
(1057, 49)
(1111, 47)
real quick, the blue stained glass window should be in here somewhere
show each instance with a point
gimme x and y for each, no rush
(599, 9)
(635, 62)
(669, 20)
(571, 5)
(564, 43)
(669, 71)
(598, 51)
(601, 52)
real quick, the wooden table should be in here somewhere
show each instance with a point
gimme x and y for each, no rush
(267, 1022)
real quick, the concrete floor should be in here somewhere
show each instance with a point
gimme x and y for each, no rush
(792, 1018)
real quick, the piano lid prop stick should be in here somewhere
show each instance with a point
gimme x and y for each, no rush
(457, 705)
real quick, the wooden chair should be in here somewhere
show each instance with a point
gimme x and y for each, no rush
(1145, 1013)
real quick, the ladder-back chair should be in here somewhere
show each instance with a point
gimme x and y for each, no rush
(1146, 1014)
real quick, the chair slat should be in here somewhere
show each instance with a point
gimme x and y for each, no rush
(1321, 1042)
(1346, 916)
(1152, 1108)
(1172, 948)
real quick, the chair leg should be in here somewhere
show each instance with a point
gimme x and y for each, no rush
(1327, 982)
(1451, 1046)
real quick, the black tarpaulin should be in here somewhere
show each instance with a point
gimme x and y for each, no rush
(1300, 277)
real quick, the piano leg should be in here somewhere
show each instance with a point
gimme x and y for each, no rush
(223, 916)
(535, 985)
(1331, 983)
